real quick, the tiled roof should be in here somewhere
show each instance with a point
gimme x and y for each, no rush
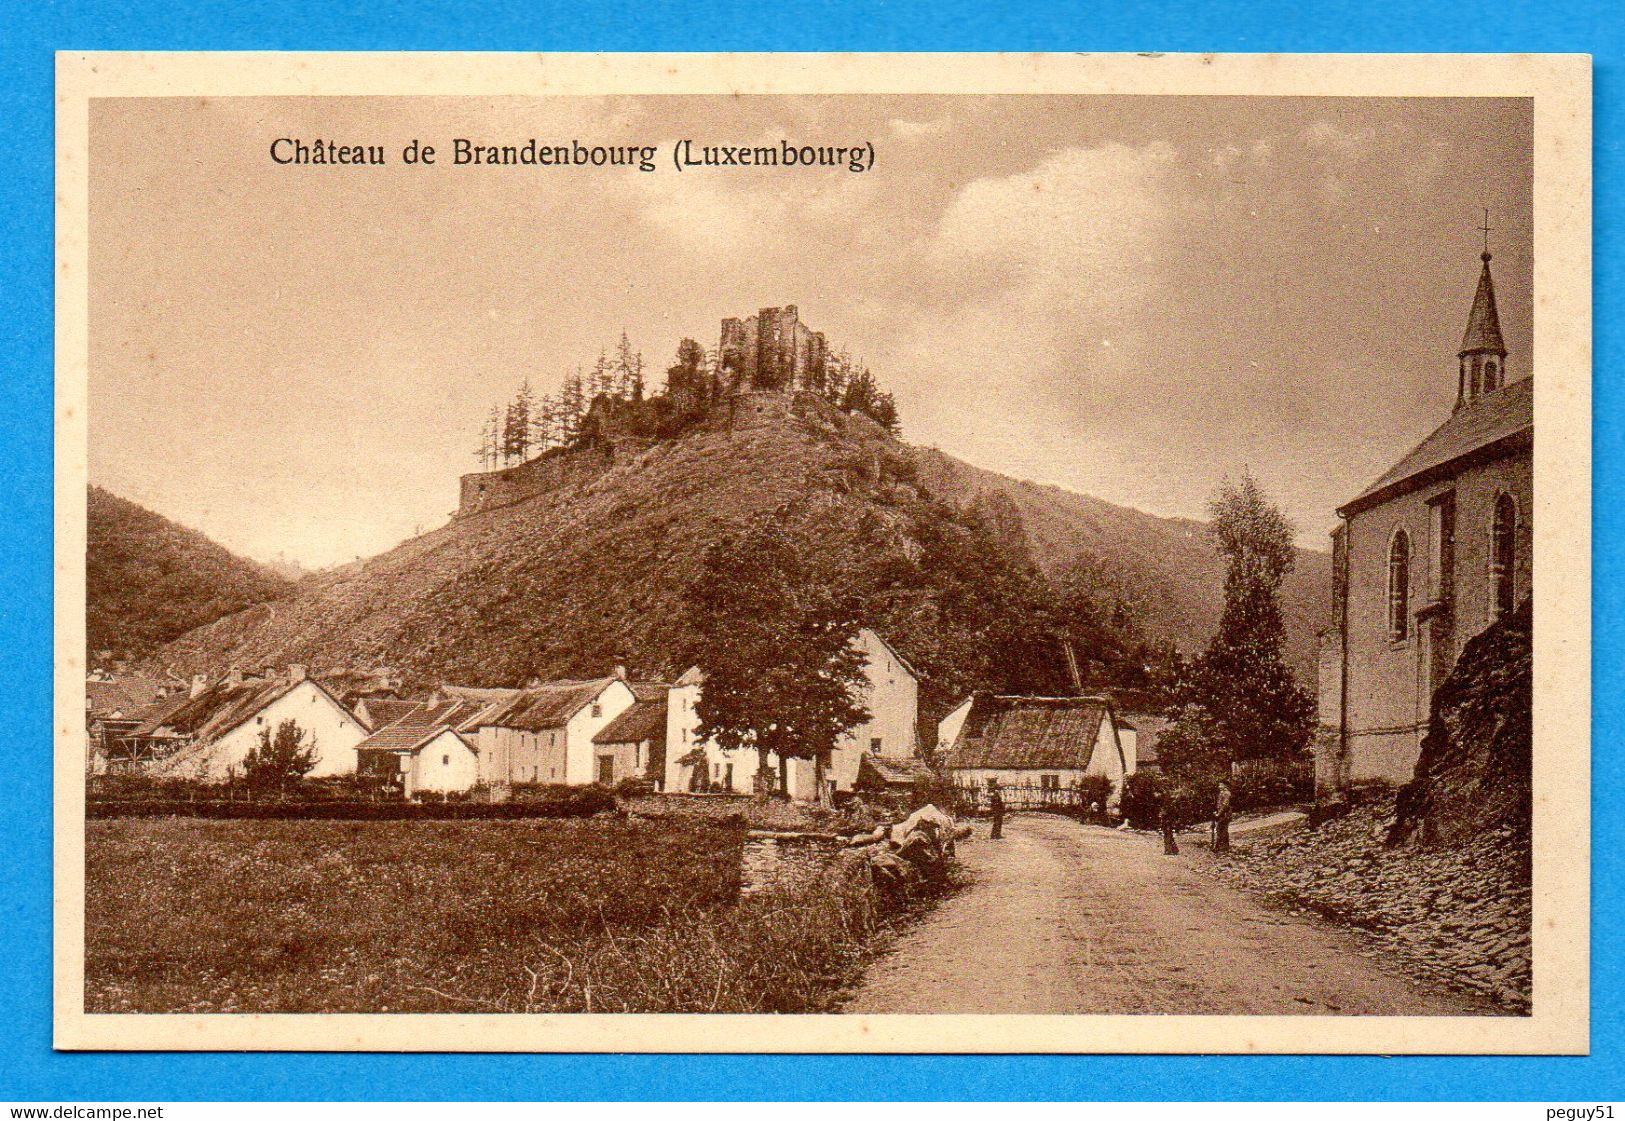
(546, 706)
(1028, 732)
(416, 728)
(1495, 416)
(125, 695)
(645, 720)
(387, 710)
(216, 710)
(894, 771)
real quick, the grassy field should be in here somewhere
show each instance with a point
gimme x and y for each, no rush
(184, 915)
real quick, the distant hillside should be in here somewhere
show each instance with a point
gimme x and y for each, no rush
(148, 580)
(1165, 567)
(593, 569)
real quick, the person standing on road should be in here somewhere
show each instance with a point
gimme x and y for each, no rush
(996, 805)
(1221, 819)
(1165, 820)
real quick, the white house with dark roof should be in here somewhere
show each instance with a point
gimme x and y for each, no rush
(633, 745)
(1050, 742)
(544, 733)
(207, 735)
(422, 750)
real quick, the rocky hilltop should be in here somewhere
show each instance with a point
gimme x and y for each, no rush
(589, 566)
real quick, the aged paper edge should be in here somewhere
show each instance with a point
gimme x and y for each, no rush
(1560, 86)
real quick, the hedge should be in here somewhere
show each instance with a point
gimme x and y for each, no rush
(576, 801)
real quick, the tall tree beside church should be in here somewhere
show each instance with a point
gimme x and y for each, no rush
(775, 639)
(1239, 700)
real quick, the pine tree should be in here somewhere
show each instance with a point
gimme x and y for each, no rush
(628, 371)
(836, 378)
(523, 404)
(860, 392)
(601, 381)
(487, 438)
(542, 422)
(884, 411)
(572, 408)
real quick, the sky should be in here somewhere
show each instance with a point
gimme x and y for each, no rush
(1132, 297)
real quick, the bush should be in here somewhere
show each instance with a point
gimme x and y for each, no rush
(1139, 803)
(634, 788)
(573, 801)
(1271, 784)
(392, 810)
(1094, 790)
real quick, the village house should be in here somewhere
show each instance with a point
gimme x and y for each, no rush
(882, 775)
(544, 733)
(1051, 743)
(633, 745)
(421, 750)
(1425, 558)
(206, 733)
(116, 705)
(381, 711)
(890, 693)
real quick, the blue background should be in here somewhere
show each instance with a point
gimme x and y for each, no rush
(29, 1070)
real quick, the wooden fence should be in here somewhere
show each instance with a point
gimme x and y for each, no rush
(974, 798)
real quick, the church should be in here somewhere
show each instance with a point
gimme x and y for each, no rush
(1424, 559)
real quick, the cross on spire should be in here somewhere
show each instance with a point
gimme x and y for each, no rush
(1485, 228)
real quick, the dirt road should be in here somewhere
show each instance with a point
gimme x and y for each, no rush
(1065, 918)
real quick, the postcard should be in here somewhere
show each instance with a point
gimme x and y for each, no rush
(868, 553)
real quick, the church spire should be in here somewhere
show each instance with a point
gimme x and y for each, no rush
(1483, 355)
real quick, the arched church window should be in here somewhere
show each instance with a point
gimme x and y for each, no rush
(1489, 376)
(1399, 587)
(1503, 551)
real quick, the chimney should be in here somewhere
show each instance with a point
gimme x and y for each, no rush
(620, 671)
(296, 672)
(200, 682)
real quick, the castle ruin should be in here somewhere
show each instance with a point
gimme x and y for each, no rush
(772, 350)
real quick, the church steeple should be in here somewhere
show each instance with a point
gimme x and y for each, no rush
(1482, 361)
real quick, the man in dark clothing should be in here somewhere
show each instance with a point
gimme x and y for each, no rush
(996, 804)
(1165, 822)
(1221, 819)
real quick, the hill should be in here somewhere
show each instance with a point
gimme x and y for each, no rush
(1163, 569)
(590, 566)
(149, 580)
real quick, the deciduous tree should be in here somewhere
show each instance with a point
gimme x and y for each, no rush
(1239, 699)
(775, 638)
(279, 760)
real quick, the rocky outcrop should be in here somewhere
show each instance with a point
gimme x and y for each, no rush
(1474, 773)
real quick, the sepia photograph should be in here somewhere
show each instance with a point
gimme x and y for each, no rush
(1059, 553)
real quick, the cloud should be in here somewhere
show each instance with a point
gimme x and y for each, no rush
(910, 130)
